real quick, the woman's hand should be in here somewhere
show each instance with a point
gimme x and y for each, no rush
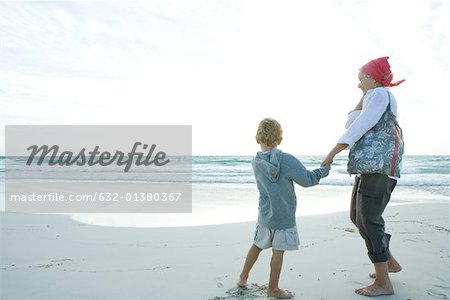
(327, 161)
(330, 157)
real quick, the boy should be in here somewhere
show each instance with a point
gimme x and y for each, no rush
(275, 173)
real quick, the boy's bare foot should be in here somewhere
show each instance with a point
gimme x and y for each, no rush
(393, 266)
(279, 294)
(242, 283)
(374, 290)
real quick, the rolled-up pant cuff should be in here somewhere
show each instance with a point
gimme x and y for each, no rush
(381, 257)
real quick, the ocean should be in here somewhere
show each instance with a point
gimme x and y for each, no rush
(420, 171)
(224, 189)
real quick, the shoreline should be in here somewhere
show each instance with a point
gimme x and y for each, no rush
(233, 203)
(55, 257)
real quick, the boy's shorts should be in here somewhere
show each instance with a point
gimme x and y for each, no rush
(278, 239)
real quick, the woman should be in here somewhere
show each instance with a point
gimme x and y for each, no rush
(376, 147)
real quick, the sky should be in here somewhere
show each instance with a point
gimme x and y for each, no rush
(222, 66)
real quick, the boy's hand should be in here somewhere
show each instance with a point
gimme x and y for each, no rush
(326, 166)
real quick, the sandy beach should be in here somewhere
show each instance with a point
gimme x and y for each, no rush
(108, 107)
(55, 257)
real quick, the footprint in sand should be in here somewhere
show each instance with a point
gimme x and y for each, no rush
(436, 294)
(53, 263)
(253, 291)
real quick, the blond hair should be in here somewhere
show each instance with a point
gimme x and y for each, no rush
(269, 132)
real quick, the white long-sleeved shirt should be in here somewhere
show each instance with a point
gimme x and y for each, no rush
(359, 122)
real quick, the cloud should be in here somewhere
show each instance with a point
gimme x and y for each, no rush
(220, 66)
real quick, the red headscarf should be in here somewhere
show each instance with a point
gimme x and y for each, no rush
(380, 70)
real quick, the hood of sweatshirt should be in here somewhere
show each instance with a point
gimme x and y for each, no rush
(268, 163)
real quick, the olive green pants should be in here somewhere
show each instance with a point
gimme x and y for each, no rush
(371, 193)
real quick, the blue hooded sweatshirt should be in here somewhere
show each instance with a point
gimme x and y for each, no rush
(275, 174)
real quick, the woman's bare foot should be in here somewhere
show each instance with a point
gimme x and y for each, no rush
(374, 290)
(279, 294)
(393, 266)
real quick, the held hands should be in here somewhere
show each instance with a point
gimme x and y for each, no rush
(327, 161)
(330, 157)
